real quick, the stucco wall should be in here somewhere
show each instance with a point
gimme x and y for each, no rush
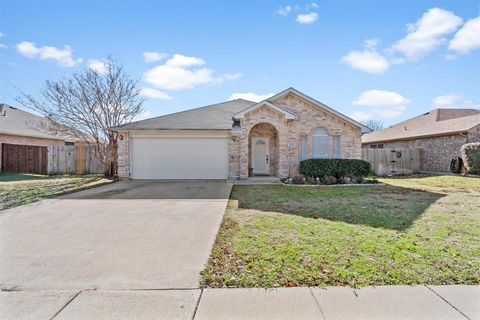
(437, 152)
(31, 141)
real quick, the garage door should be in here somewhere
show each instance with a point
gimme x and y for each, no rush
(179, 158)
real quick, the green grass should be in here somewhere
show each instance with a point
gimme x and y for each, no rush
(415, 230)
(17, 188)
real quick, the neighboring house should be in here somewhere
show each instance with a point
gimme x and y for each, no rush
(18, 127)
(439, 134)
(237, 139)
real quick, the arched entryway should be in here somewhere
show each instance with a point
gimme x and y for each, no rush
(263, 151)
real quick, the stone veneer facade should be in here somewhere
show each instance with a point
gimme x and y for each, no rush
(289, 132)
(436, 152)
(285, 136)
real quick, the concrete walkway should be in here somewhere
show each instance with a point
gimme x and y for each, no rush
(388, 302)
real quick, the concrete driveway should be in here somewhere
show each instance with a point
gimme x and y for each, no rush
(127, 235)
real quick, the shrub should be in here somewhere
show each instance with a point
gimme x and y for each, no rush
(471, 157)
(337, 168)
(329, 180)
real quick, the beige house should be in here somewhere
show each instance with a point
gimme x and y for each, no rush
(19, 127)
(439, 134)
(237, 139)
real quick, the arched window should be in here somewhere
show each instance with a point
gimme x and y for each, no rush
(320, 143)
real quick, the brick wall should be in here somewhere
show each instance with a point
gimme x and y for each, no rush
(123, 155)
(31, 141)
(289, 133)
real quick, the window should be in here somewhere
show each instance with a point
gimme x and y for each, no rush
(376, 146)
(69, 143)
(337, 147)
(320, 143)
(303, 148)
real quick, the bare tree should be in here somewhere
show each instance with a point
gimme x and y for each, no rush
(375, 125)
(87, 104)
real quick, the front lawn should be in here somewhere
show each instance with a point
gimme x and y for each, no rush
(18, 188)
(415, 230)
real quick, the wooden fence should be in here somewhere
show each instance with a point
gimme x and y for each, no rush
(78, 159)
(24, 158)
(393, 161)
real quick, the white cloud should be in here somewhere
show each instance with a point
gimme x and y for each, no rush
(467, 38)
(64, 57)
(97, 65)
(3, 46)
(181, 61)
(232, 76)
(384, 104)
(152, 56)
(183, 72)
(454, 101)
(251, 96)
(2, 34)
(367, 61)
(427, 33)
(307, 18)
(142, 116)
(154, 94)
(284, 11)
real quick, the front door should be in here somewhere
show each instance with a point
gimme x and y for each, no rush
(261, 155)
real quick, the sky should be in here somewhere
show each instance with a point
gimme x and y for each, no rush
(380, 60)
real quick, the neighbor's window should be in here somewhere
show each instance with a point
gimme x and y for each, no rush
(337, 147)
(303, 148)
(320, 143)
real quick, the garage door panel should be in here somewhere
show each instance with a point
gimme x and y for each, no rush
(179, 158)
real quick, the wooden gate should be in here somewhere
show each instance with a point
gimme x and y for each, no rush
(24, 158)
(393, 161)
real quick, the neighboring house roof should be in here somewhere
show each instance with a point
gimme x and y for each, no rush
(213, 117)
(437, 122)
(220, 116)
(18, 122)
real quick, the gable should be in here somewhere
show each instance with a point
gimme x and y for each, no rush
(268, 105)
(297, 103)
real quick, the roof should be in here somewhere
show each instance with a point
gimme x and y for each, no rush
(437, 122)
(18, 122)
(220, 116)
(213, 117)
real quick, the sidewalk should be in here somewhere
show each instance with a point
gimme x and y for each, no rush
(388, 302)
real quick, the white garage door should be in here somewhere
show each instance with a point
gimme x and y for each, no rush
(179, 158)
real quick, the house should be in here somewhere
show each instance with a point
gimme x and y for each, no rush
(439, 134)
(237, 139)
(22, 128)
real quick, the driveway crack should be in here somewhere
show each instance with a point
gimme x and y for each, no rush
(451, 305)
(66, 304)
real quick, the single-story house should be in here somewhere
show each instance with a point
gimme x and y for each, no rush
(237, 139)
(19, 127)
(439, 134)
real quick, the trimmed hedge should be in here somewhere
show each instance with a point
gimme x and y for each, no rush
(335, 168)
(471, 157)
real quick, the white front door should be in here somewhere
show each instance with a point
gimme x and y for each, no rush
(261, 155)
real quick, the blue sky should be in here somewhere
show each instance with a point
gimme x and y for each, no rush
(383, 60)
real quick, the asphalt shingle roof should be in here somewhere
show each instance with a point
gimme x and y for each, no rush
(434, 123)
(213, 117)
(15, 121)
